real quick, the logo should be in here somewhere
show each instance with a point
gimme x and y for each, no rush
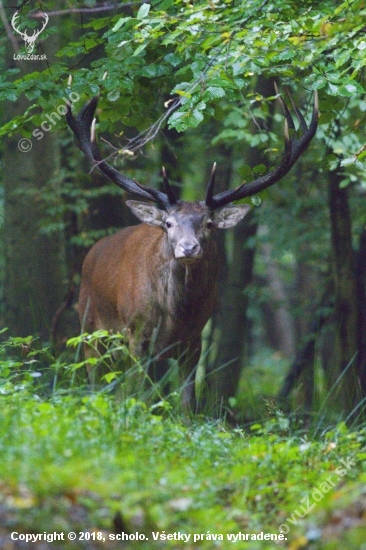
(29, 40)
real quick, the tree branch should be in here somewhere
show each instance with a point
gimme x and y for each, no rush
(8, 29)
(107, 7)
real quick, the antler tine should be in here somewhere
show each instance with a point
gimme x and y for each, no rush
(167, 189)
(157, 196)
(294, 147)
(285, 110)
(83, 127)
(299, 145)
(298, 113)
(210, 187)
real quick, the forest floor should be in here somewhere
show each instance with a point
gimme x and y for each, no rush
(84, 469)
(123, 475)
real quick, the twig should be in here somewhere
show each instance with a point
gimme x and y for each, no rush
(108, 7)
(138, 142)
(9, 32)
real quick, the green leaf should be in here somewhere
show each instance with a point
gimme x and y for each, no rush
(110, 376)
(255, 427)
(344, 183)
(196, 118)
(178, 120)
(119, 23)
(33, 94)
(162, 4)
(214, 92)
(316, 81)
(348, 161)
(113, 95)
(256, 200)
(11, 95)
(245, 172)
(361, 156)
(173, 59)
(97, 24)
(350, 89)
(153, 71)
(342, 58)
(139, 49)
(260, 169)
(143, 11)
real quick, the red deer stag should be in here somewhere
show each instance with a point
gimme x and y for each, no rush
(157, 281)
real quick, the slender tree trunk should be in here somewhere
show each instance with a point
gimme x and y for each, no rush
(344, 340)
(361, 302)
(346, 310)
(281, 324)
(307, 296)
(302, 366)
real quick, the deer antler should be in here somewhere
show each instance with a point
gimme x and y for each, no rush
(83, 127)
(294, 147)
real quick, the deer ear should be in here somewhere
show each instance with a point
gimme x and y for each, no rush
(147, 213)
(228, 216)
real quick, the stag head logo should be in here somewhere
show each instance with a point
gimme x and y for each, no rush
(29, 40)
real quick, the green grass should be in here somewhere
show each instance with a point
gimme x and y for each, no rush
(90, 463)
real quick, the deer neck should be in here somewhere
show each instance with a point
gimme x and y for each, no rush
(182, 285)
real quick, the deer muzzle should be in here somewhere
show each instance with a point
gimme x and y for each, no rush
(188, 250)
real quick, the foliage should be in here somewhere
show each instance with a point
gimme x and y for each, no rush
(205, 56)
(153, 473)
(185, 64)
(27, 366)
(181, 64)
(90, 462)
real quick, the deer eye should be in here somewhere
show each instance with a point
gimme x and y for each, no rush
(168, 224)
(209, 225)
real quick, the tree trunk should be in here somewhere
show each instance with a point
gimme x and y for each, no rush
(35, 264)
(234, 330)
(234, 326)
(280, 323)
(346, 309)
(361, 302)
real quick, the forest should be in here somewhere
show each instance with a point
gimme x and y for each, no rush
(281, 380)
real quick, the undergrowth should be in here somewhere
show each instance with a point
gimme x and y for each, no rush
(88, 462)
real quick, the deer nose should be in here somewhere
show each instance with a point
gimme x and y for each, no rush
(189, 248)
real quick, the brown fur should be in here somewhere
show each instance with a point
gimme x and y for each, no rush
(132, 281)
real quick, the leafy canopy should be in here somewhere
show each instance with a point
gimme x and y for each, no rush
(186, 60)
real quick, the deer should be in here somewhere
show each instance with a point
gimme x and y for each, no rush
(157, 281)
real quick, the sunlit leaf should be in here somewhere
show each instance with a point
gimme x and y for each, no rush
(143, 11)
